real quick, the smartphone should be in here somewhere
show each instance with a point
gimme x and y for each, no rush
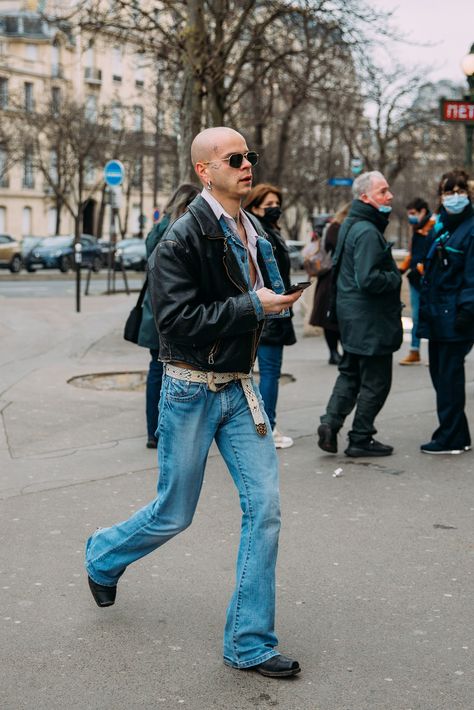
(297, 287)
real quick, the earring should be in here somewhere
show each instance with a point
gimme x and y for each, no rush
(209, 185)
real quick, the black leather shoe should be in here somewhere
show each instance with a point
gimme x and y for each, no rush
(152, 443)
(334, 358)
(278, 667)
(327, 438)
(372, 448)
(104, 596)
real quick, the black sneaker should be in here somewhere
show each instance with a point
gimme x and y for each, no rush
(327, 438)
(433, 447)
(372, 448)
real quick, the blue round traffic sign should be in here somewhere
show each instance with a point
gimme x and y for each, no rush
(114, 173)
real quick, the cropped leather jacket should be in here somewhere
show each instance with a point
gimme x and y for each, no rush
(201, 302)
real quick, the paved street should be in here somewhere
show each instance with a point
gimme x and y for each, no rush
(375, 593)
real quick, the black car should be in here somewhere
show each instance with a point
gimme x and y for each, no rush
(132, 253)
(58, 253)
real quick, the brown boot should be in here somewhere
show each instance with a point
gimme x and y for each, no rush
(413, 358)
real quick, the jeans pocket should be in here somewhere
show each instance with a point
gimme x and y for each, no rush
(183, 391)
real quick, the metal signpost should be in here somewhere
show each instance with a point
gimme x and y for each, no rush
(114, 173)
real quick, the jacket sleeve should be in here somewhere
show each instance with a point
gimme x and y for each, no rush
(466, 295)
(374, 268)
(180, 314)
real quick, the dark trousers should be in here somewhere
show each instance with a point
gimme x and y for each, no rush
(153, 389)
(365, 381)
(447, 375)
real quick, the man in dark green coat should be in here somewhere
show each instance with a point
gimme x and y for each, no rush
(369, 316)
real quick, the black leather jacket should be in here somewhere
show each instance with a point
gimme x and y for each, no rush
(201, 303)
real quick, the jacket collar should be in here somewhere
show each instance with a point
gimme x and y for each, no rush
(206, 218)
(208, 222)
(361, 210)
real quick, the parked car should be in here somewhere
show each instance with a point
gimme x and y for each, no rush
(58, 253)
(296, 259)
(27, 245)
(132, 252)
(10, 254)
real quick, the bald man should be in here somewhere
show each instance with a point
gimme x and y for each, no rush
(213, 281)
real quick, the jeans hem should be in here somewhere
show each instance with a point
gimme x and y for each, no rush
(249, 664)
(102, 584)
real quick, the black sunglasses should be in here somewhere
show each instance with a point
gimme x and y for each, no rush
(236, 159)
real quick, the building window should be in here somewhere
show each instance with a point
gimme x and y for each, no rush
(3, 92)
(55, 61)
(3, 219)
(55, 99)
(29, 100)
(89, 57)
(26, 221)
(53, 166)
(89, 171)
(31, 51)
(91, 108)
(116, 117)
(117, 64)
(137, 118)
(139, 69)
(3, 167)
(137, 172)
(28, 176)
(52, 214)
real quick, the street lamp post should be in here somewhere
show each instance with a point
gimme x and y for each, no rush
(468, 69)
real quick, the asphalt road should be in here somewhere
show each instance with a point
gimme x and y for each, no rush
(375, 573)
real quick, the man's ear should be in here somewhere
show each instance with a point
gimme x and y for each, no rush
(201, 172)
(364, 198)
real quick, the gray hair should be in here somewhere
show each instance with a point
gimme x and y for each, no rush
(362, 184)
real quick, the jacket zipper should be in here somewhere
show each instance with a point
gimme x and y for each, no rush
(213, 351)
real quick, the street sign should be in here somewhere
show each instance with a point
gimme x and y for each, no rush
(457, 111)
(357, 165)
(340, 182)
(114, 173)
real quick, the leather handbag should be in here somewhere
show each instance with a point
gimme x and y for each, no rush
(132, 325)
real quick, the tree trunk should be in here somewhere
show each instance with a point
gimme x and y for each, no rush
(192, 102)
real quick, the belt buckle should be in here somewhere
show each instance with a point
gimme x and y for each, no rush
(211, 383)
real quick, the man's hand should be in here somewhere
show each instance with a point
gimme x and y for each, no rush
(273, 303)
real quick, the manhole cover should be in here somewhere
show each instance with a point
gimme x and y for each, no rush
(121, 381)
(131, 381)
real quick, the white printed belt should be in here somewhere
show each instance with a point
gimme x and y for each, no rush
(217, 381)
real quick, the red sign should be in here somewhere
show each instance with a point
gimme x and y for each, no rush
(460, 111)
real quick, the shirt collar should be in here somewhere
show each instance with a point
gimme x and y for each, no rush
(219, 212)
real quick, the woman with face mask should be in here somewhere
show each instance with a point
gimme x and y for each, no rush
(446, 316)
(264, 202)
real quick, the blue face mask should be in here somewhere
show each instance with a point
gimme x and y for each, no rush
(412, 219)
(454, 204)
(385, 209)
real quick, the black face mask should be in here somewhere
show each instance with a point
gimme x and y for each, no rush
(272, 214)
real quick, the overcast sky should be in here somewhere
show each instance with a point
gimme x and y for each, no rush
(448, 25)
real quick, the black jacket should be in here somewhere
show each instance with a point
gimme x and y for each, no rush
(368, 285)
(201, 303)
(278, 331)
(447, 288)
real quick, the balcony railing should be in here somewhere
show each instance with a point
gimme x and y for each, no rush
(92, 75)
